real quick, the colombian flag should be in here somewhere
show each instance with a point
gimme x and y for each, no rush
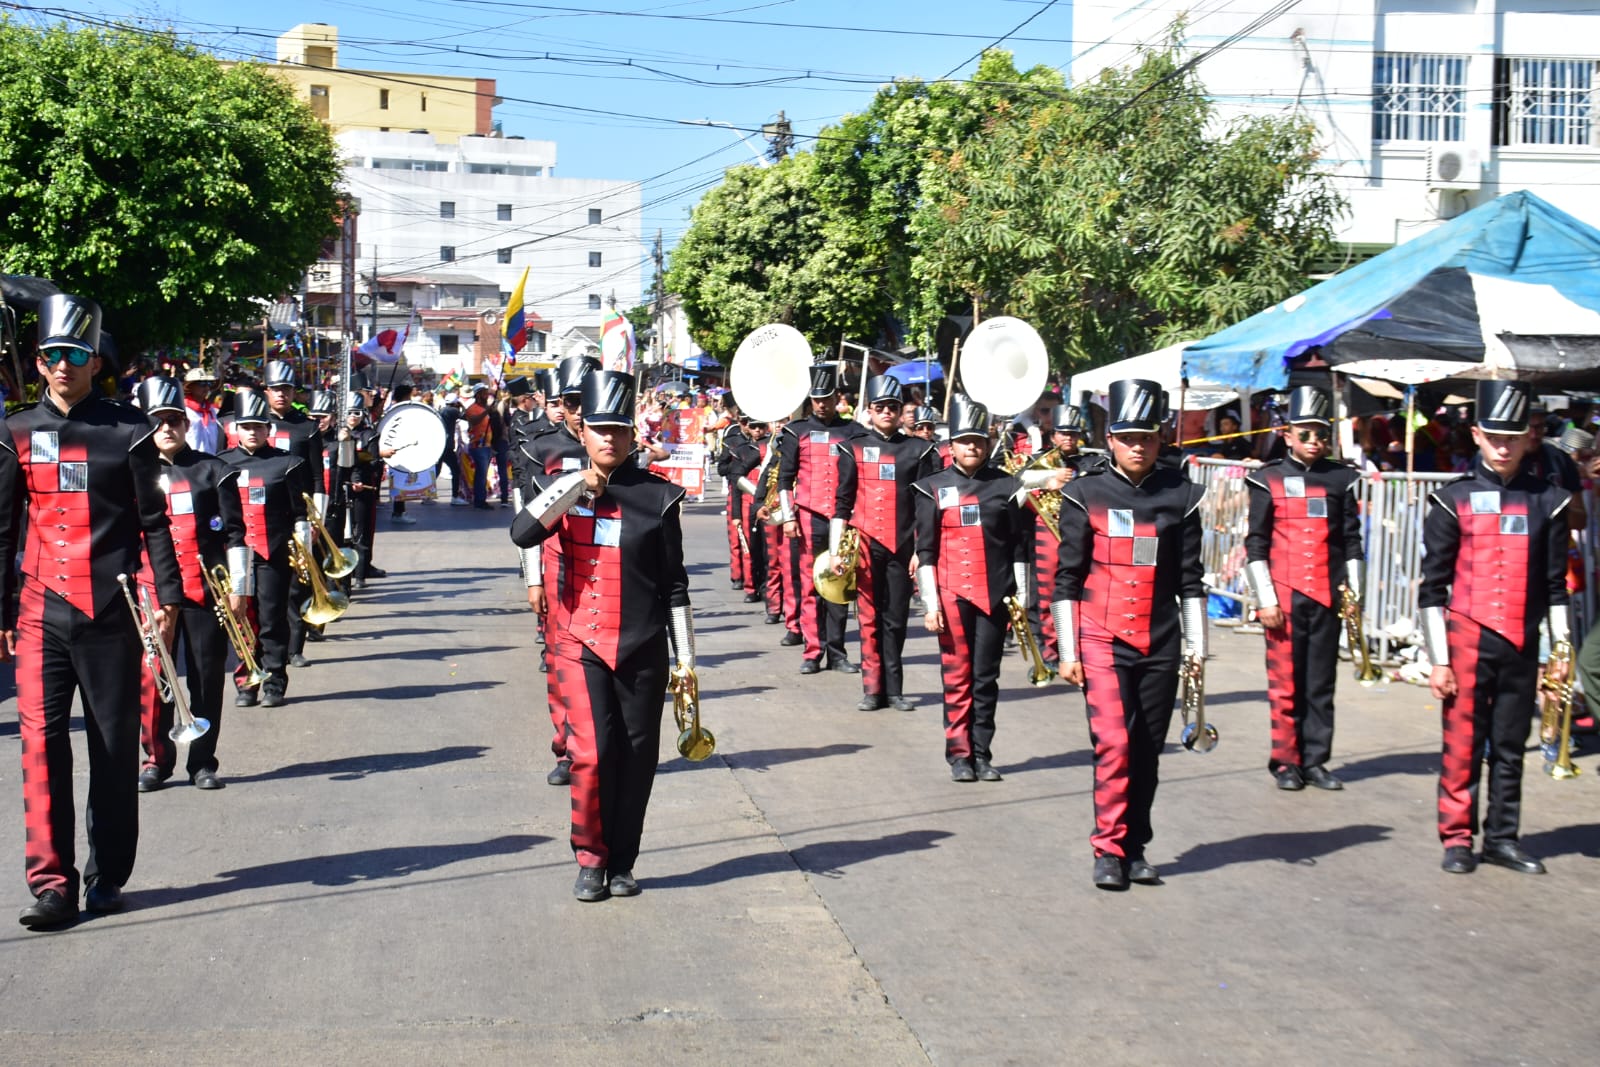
(514, 327)
(616, 342)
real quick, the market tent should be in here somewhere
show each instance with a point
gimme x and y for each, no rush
(1164, 365)
(1511, 288)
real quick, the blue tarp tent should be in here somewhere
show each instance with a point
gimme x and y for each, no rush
(1435, 288)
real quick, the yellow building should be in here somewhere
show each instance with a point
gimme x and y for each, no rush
(447, 107)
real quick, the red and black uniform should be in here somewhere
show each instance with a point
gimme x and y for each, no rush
(1128, 554)
(808, 470)
(546, 457)
(299, 435)
(738, 559)
(874, 495)
(624, 551)
(1305, 528)
(270, 483)
(1496, 562)
(207, 519)
(1046, 551)
(741, 458)
(361, 504)
(970, 544)
(84, 481)
(783, 553)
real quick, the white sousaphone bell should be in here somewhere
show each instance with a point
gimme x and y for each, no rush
(771, 372)
(1004, 365)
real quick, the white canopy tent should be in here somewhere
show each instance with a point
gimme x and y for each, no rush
(1165, 366)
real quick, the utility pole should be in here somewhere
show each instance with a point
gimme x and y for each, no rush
(660, 297)
(780, 135)
(372, 317)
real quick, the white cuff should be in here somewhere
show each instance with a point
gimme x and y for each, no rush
(1355, 578)
(747, 487)
(1036, 477)
(786, 505)
(1560, 627)
(1435, 636)
(835, 535)
(1019, 574)
(302, 533)
(680, 625)
(1259, 574)
(241, 571)
(928, 589)
(320, 502)
(549, 506)
(1064, 614)
(1194, 625)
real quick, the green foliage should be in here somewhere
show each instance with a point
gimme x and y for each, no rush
(143, 174)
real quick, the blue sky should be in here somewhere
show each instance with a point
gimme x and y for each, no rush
(722, 60)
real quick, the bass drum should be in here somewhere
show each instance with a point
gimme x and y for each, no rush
(416, 434)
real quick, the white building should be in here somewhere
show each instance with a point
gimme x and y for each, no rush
(478, 212)
(1427, 107)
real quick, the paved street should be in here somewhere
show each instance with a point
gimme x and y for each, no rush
(387, 877)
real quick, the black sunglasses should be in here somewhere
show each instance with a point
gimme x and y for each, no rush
(76, 357)
(1305, 437)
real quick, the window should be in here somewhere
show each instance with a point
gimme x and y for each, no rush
(383, 100)
(1545, 101)
(502, 212)
(503, 255)
(469, 299)
(505, 168)
(594, 216)
(447, 209)
(1417, 97)
(447, 253)
(435, 165)
(386, 297)
(319, 101)
(505, 297)
(594, 259)
(449, 344)
(594, 301)
(535, 342)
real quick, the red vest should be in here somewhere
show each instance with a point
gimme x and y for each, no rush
(185, 535)
(58, 556)
(593, 592)
(1491, 580)
(876, 513)
(963, 569)
(818, 473)
(253, 498)
(1119, 593)
(1300, 537)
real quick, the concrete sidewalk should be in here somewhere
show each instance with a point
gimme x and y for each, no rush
(387, 878)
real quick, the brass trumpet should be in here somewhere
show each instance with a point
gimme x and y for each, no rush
(237, 629)
(1198, 735)
(341, 561)
(1046, 503)
(695, 742)
(1367, 673)
(1038, 674)
(1555, 713)
(322, 606)
(185, 726)
(839, 588)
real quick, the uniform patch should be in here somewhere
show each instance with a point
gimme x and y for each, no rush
(216, 522)
(74, 477)
(1317, 508)
(608, 532)
(582, 512)
(571, 463)
(258, 494)
(949, 496)
(886, 472)
(1486, 503)
(181, 503)
(1295, 486)
(1516, 525)
(1144, 551)
(44, 447)
(1119, 522)
(870, 454)
(969, 514)
(819, 437)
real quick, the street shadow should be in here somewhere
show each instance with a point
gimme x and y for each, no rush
(412, 654)
(343, 869)
(398, 692)
(401, 631)
(1302, 847)
(1080, 757)
(1252, 696)
(762, 759)
(715, 659)
(1566, 841)
(826, 858)
(1425, 763)
(355, 768)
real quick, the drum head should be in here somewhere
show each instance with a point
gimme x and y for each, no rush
(416, 434)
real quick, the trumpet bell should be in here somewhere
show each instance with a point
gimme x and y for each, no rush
(185, 733)
(1199, 737)
(341, 565)
(834, 588)
(696, 744)
(320, 611)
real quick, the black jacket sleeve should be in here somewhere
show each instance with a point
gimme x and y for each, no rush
(1194, 568)
(1441, 539)
(1353, 548)
(927, 524)
(13, 506)
(144, 466)
(1560, 540)
(844, 491)
(1258, 541)
(1074, 552)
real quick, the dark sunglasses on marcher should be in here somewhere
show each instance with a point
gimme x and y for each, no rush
(76, 357)
(1306, 436)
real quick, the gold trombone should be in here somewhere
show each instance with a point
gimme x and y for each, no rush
(238, 629)
(322, 606)
(185, 726)
(1038, 674)
(341, 561)
(695, 742)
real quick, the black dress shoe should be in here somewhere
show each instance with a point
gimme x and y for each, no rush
(791, 639)
(734, 583)
(1509, 854)
(152, 778)
(871, 702)
(899, 703)
(844, 666)
(753, 598)
(773, 619)
(1322, 778)
(1109, 873)
(1143, 871)
(297, 660)
(591, 885)
(544, 665)
(623, 884)
(986, 772)
(810, 666)
(560, 774)
(314, 634)
(206, 779)
(271, 698)
(376, 572)
(961, 770)
(102, 898)
(1458, 859)
(246, 698)
(1288, 778)
(49, 910)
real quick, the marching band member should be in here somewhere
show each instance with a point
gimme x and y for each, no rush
(876, 472)
(81, 470)
(1068, 429)
(207, 524)
(970, 557)
(271, 485)
(1494, 568)
(783, 553)
(359, 487)
(738, 564)
(296, 433)
(623, 540)
(1130, 552)
(1304, 543)
(808, 471)
(741, 459)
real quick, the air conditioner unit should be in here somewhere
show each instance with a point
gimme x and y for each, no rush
(1454, 166)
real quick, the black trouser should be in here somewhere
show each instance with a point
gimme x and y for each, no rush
(272, 608)
(363, 512)
(1302, 659)
(205, 660)
(60, 651)
(1488, 719)
(969, 652)
(884, 585)
(821, 621)
(1129, 696)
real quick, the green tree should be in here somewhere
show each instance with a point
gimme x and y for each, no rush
(1118, 217)
(146, 175)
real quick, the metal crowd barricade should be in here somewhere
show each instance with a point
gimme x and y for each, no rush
(1224, 520)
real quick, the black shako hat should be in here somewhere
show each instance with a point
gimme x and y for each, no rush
(1307, 403)
(1136, 406)
(925, 416)
(968, 418)
(159, 393)
(67, 321)
(1503, 407)
(1068, 418)
(279, 372)
(250, 406)
(824, 380)
(608, 399)
(544, 381)
(518, 387)
(322, 403)
(883, 389)
(572, 371)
